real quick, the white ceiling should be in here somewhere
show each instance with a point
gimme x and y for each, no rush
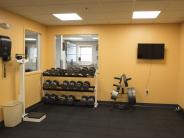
(95, 11)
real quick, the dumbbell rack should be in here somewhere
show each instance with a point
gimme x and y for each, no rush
(77, 94)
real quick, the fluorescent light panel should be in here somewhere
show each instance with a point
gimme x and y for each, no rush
(145, 14)
(68, 16)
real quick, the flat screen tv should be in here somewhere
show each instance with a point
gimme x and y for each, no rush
(150, 51)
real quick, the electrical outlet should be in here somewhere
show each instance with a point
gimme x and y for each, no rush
(147, 91)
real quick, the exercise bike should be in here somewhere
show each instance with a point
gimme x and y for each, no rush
(122, 88)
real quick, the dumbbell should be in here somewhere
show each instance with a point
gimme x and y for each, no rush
(54, 84)
(84, 71)
(86, 86)
(62, 99)
(91, 71)
(72, 85)
(84, 100)
(46, 98)
(65, 72)
(91, 100)
(65, 85)
(70, 100)
(46, 73)
(57, 71)
(53, 98)
(76, 71)
(62, 72)
(79, 85)
(70, 71)
(52, 72)
(57, 83)
(46, 84)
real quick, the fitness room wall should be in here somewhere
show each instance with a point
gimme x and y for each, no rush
(119, 49)
(107, 75)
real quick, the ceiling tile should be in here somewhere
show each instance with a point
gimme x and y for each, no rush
(95, 11)
(12, 3)
(168, 20)
(144, 5)
(172, 14)
(176, 5)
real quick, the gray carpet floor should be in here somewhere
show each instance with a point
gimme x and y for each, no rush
(81, 122)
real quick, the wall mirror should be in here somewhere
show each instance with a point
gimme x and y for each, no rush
(76, 50)
(32, 51)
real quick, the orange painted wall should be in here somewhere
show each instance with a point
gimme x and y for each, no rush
(9, 87)
(181, 69)
(117, 55)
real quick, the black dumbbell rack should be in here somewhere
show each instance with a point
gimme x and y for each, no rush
(91, 92)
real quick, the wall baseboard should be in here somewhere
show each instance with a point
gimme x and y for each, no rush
(141, 105)
(33, 107)
(153, 105)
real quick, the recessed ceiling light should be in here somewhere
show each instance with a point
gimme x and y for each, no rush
(145, 14)
(68, 16)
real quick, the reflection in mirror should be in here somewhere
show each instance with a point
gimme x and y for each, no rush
(32, 47)
(76, 50)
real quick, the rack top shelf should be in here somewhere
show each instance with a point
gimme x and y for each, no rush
(72, 76)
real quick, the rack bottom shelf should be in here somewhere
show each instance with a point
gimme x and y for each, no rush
(76, 103)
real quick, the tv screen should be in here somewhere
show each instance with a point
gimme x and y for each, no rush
(150, 51)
